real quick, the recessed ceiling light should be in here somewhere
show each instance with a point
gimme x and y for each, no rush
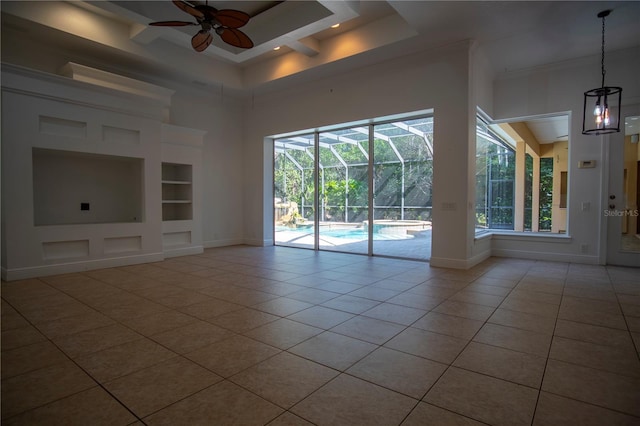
(335, 26)
(276, 48)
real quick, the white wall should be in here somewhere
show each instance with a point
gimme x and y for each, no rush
(222, 158)
(482, 76)
(435, 79)
(481, 96)
(559, 88)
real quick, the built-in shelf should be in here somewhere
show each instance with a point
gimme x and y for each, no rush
(176, 192)
(98, 178)
(176, 182)
(181, 190)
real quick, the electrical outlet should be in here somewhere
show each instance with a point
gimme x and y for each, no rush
(584, 248)
(450, 206)
(85, 206)
(586, 164)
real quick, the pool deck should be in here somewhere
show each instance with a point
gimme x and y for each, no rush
(418, 247)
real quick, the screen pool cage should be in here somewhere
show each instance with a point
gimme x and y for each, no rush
(398, 153)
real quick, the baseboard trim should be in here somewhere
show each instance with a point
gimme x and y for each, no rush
(183, 251)
(478, 258)
(443, 262)
(553, 257)
(223, 243)
(67, 268)
(258, 242)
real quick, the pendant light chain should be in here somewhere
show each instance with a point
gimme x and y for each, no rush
(602, 63)
(601, 109)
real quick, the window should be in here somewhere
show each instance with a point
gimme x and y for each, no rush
(521, 174)
(495, 174)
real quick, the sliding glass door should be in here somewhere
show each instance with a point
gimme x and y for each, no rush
(402, 177)
(374, 189)
(294, 191)
(344, 187)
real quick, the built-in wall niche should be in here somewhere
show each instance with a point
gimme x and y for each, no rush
(79, 188)
(177, 191)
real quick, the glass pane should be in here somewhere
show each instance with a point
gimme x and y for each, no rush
(495, 176)
(343, 191)
(528, 193)
(403, 175)
(501, 209)
(630, 240)
(546, 194)
(293, 181)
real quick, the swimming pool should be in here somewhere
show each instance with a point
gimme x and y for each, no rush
(347, 234)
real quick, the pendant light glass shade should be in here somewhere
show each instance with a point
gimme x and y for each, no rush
(601, 112)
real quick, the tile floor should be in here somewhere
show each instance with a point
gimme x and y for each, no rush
(279, 336)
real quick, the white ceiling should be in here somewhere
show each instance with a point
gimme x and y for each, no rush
(115, 34)
(550, 129)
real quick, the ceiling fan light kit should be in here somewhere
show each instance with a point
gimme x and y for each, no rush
(601, 111)
(224, 23)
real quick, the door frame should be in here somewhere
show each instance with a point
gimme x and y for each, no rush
(611, 221)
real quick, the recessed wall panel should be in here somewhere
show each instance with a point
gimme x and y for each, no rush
(119, 135)
(62, 127)
(176, 238)
(58, 250)
(122, 244)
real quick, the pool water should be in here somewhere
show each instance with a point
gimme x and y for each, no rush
(352, 233)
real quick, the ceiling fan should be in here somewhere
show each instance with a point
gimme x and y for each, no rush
(224, 22)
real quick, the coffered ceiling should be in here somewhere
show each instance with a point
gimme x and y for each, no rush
(115, 35)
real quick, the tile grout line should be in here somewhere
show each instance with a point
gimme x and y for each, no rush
(546, 362)
(624, 316)
(450, 365)
(580, 365)
(76, 364)
(486, 321)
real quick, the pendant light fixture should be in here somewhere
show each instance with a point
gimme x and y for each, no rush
(601, 112)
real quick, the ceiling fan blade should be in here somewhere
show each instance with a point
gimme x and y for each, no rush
(172, 24)
(236, 38)
(201, 41)
(232, 18)
(189, 9)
